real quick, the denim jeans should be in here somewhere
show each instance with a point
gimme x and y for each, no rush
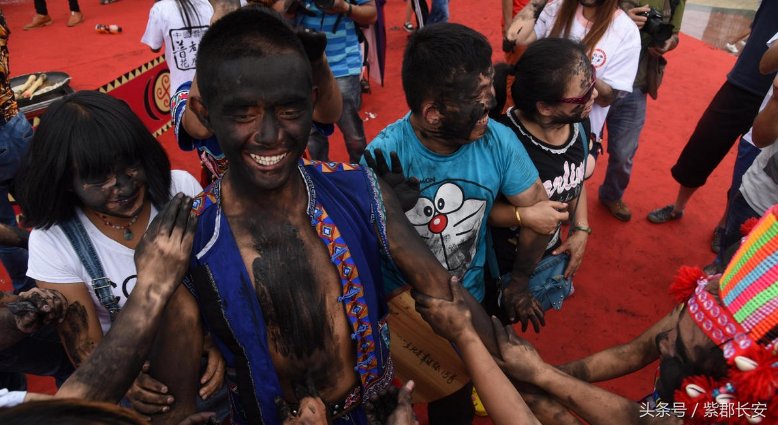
(15, 136)
(625, 122)
(439, 12)
(746, 154)
(350, 124)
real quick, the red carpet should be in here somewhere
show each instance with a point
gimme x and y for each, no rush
(622, 286)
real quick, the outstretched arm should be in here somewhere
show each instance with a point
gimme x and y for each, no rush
(575, 243)
(622, 359)
(518, 303)
(522, 29)
(452, 320)
(542, 218)
(13, 236)
(593, 404)
(161, 260)
(23, 314)
(422, 270)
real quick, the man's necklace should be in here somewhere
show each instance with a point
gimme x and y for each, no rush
(128, 235)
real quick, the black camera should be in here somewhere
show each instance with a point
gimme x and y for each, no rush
(324, 4)
(655, 26)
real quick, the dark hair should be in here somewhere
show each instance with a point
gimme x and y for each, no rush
(502, 71)
(69, 412)
(251, 31)
(85, 134)
(188, 13)
(603, 17)
(436, 56)
(543, 72)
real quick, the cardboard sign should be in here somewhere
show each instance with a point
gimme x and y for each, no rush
(420, 354)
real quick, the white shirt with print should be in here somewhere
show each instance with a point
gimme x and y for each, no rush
(167, 27)
(52, 258)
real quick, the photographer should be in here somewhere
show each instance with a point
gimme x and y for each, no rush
(339, 19)
(659, 22)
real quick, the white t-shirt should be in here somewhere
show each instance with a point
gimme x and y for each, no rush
(52, 258)
(167, 26)
(11, 398)
(615, 57)
(759, 189)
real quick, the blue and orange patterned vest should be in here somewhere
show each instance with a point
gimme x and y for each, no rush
(346, 211)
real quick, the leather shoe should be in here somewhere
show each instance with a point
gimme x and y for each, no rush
(38, 21)
(618, 209)
(75, 19)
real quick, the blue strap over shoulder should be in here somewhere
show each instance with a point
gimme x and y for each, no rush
(86, 252)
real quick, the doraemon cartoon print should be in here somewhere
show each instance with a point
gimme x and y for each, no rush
(449, 224)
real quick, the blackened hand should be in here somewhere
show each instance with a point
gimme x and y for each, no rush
(314, 43)
(518, 358)
(38, 307)
(381, 405)
(520, 306)
(403, 413)
(406, 189)
(162, 256)
(449, 319)
(508, 46)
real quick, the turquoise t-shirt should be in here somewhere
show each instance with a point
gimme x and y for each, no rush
(457, 193)
(343, 53)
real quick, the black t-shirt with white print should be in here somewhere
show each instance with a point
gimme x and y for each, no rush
(561, 170)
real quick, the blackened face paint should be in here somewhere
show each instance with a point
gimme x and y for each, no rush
(262, 117)
(121, 193)
(580, 82)
(464, 108)
(686, 351)
(562, 117)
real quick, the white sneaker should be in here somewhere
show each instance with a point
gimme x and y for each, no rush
(731, 48)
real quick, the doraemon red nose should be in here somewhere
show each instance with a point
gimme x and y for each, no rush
(438, 223)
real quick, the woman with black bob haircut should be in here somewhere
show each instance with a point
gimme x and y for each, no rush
(91, 182)
(87, 135)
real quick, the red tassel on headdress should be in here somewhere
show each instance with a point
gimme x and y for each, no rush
(748, 226)
(685, 282)
(760, 383)
(694, 393)
(772, 412)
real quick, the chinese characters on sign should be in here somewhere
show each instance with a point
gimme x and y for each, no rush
(185, 42)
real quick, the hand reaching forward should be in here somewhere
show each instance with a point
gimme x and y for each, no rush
(518, 359)
(449, 319)
(406, 189)
(38, 307)
(162, 256)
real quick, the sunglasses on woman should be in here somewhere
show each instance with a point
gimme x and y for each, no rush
(583, 100)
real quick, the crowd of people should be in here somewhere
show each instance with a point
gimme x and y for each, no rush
(258, 293)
